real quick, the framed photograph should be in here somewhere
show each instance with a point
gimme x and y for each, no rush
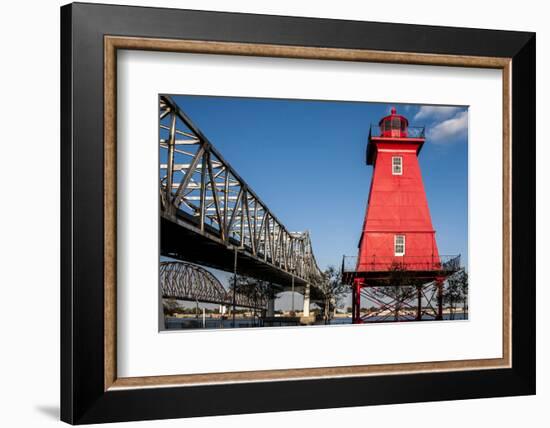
(256, 207)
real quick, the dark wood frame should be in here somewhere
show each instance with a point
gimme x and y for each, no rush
(90, 35)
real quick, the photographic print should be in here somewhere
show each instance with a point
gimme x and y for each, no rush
(284, 212)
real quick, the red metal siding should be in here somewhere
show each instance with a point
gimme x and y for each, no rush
(397, 206)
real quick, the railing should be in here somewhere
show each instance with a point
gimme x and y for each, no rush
(409, 132)
(445, 263)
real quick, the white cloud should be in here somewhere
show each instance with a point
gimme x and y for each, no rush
(436, 113)
(449, 129)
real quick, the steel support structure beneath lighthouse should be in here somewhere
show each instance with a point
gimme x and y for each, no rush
(421, 299)
(398, 268)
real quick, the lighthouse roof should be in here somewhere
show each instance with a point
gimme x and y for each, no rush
(403, 121)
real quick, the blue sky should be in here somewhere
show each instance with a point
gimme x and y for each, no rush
(306, 160)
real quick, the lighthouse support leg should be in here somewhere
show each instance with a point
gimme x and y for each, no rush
(353, 303)
(356, 303)
(439, 285)
(419, 302)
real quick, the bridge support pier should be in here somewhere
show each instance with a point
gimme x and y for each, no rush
(234, 306)
(306, 300)
(162, 322)
(270, 307)
(293, 310)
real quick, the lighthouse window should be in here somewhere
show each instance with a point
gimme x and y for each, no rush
(396, 123)
(397, 165)
(399, 245)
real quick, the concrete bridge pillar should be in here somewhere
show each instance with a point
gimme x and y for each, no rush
(270, 307)
(306, 300)
(162, 322)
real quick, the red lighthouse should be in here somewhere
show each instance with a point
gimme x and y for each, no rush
(398, 233)
(398, 228)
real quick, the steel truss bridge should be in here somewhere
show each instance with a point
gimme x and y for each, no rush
(211, 216)
(185, 281)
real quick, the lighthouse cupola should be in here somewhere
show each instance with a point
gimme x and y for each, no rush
(394, 125)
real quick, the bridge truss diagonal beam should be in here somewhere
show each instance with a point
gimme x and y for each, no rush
(198, 186)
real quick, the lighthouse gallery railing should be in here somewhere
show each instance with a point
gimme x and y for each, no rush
(411, 131)
(445, 263)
